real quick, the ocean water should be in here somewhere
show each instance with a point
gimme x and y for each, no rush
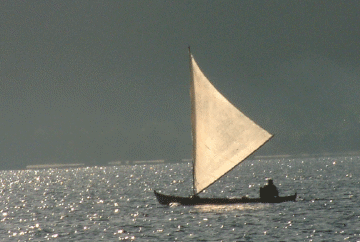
(117, 203)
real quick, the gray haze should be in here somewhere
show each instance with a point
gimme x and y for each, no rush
(98, 81)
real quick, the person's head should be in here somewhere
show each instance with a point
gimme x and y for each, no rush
(270, 182)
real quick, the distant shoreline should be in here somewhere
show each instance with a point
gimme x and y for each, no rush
(304, 155)
(48, 166)
(161, 161)
(355, 153)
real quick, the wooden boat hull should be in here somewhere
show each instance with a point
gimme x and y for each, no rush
(190, 201)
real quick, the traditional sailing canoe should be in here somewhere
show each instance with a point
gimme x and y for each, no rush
(195, 200)
(223, 137)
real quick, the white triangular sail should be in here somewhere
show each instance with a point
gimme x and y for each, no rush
(222, 135)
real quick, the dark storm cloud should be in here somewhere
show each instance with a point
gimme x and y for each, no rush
(95, 81)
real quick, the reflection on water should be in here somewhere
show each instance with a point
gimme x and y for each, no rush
(222, 207)
(118, 203)
(229, 207)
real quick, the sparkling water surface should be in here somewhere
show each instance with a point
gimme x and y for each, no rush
(117, 203)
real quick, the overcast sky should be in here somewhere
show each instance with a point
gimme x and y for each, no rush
(98, 81)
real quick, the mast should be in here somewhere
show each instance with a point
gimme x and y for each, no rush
(193, 118)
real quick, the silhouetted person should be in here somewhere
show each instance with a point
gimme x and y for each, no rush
(269, 191)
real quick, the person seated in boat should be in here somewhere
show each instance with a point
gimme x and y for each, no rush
(269, 191)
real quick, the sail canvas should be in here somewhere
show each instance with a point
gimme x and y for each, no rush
(222, 135)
